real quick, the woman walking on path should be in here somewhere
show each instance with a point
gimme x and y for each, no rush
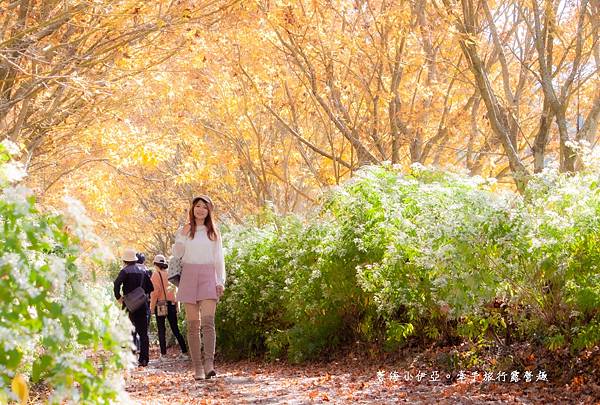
(131, 277)
(202, 282)
(164, 295)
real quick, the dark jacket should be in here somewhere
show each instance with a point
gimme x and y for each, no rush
(146, 269)
(130, 277)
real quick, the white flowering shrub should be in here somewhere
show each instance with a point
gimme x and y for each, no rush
(291, 289)
(56, 326)
(254, 303)
(326, 305)
(564, 255)
(443, 243)
(428, 254)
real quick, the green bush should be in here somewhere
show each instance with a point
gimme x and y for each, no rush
(56, 327)
(324, 303)
(447, 239)
(253, 301)
(428, 255)
(565, 249)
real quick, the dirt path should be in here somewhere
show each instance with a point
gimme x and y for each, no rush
(170, 382)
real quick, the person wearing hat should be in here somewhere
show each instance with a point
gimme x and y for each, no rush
(200, 248)
(141, 259)
(163, 292)
(130, 277)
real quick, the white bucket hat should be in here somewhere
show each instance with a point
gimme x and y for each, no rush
(129, 255)
(160, 259)
(204, 198)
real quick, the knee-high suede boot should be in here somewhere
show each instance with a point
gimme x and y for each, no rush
(193, 336)
(209, 341)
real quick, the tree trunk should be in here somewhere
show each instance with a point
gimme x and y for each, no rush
(541, 138)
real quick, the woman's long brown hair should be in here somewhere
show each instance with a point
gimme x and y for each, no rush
(208, 221)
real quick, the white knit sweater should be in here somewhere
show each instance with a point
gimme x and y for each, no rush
(201, 250)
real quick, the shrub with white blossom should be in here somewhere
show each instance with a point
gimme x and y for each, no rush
(427, 254)
(56, 326)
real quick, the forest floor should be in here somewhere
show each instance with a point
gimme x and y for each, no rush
(350, 379)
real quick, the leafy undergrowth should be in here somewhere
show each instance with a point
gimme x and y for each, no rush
(355, 379)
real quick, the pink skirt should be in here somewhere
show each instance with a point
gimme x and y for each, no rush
(198, 282)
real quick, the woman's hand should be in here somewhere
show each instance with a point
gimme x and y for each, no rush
(220, 290)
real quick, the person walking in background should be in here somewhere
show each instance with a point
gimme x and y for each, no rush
(130, 277)
(141, 259)
(202, 282)
(164, 296)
